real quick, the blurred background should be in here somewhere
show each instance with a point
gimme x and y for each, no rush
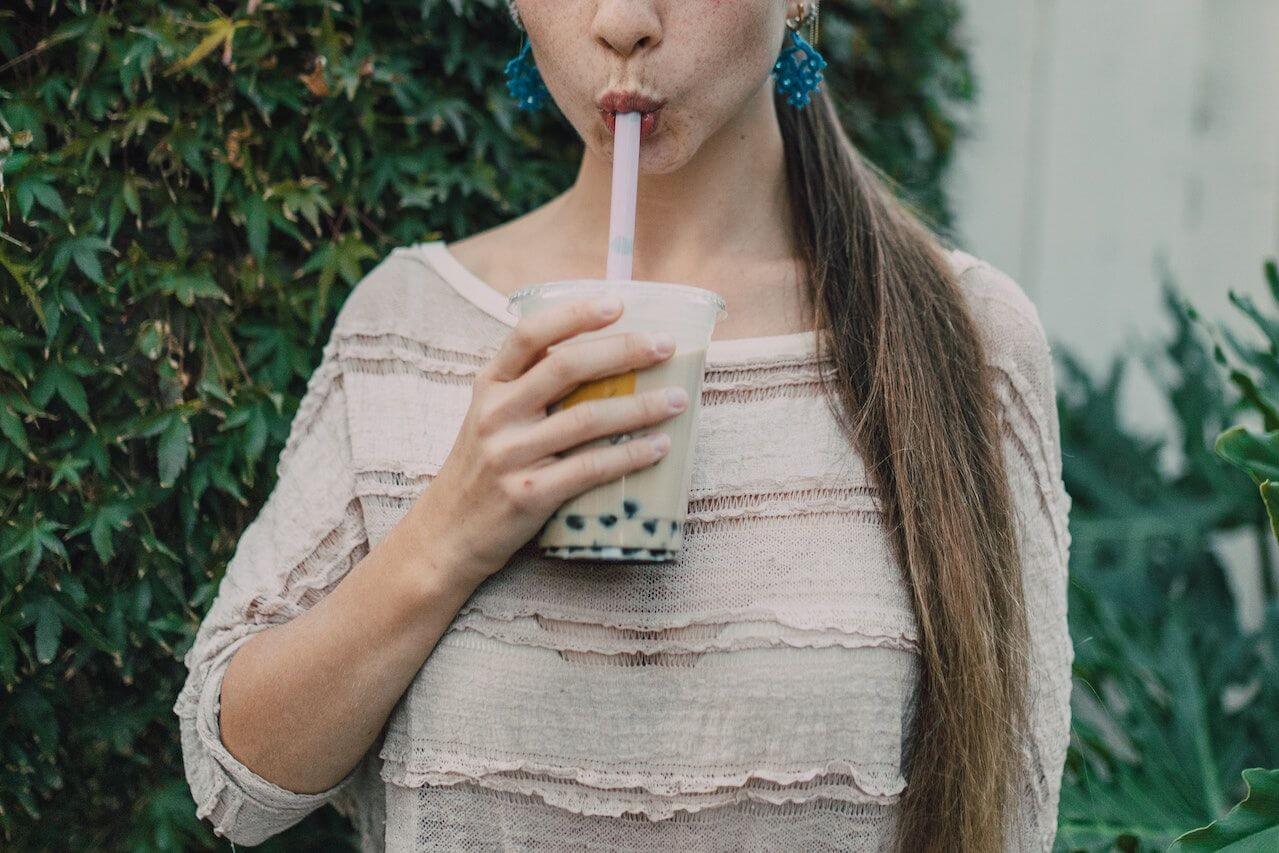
(190, 190)
(1114, 148)
(1112, 142)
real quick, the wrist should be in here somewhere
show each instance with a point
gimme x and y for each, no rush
(435, 562)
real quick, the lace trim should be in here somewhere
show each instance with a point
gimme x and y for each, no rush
(321, 384)
(635, 645)
(616, 802)
(391, 366)
(366, 345)
(1047, 499)
(1016, 393)
(716, 396)
(793, 498)
(383, 344)
(1038, 454)
(883, 623)
(318, 573)
(405, 764)
(462, 794)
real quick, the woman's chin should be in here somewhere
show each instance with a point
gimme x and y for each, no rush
(659, 154)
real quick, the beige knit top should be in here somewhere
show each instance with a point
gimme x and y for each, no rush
(752, 695)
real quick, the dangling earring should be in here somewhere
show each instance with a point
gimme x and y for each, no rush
(798, 70)
(524, 81)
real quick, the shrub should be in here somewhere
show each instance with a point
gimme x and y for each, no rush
(1173, 699)
(190, 190)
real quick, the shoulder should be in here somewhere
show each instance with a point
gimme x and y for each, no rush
(1013, 336)
(399, 286)
(408, 299)
(1012, 332)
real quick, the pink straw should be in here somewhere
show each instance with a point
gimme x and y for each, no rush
(621, 224)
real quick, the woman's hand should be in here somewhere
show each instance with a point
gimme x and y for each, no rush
(502, 478)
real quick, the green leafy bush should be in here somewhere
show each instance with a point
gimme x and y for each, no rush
(1173, 699)
(189, 192)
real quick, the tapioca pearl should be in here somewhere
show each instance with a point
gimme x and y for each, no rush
(631, 551)
(651, 526)
(630, 507)
(575, 521)
(674, 526)
(608, 519)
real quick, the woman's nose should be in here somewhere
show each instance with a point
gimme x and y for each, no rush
(627, 26)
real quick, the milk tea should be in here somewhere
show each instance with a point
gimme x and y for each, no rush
(640, 516)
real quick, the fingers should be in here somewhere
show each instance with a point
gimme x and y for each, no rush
(597, 418)
(552, 378)
(572, 475)
(526, 343)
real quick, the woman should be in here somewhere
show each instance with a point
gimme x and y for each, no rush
(863, 645)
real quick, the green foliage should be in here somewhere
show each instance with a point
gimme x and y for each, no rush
(1255, 372)
(1251, 827)
(1173, 699)
(189, 192)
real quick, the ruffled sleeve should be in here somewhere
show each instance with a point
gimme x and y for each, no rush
(1021, 368)
(307, 536)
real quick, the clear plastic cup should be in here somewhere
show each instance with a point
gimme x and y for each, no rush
(639, 516)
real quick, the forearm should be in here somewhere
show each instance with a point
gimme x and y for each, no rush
(302, 702)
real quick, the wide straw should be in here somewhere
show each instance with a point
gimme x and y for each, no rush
(621, 223)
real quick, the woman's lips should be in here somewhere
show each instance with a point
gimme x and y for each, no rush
(648, 121)
(616, 101)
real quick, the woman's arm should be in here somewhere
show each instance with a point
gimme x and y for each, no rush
(303, 701)
(1021, 369)
(307, 537)
(313, 638)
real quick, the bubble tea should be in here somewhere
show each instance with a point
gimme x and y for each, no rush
(639, 516)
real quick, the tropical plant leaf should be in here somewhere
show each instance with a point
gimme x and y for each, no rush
(1251, 827)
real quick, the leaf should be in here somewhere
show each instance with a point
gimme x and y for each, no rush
(221, 31)
(72, 392)
(48, 631)
(175, 442)
(11, 426)
(1258, 456)
(84, 251)
(49, 197)
(107, 519)
(189, 287)
(256, 220)
(1270, 498)
(1252, 826)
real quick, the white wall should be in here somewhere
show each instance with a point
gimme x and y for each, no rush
(1109, 132)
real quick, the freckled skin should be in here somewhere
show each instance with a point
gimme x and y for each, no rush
(708, 59)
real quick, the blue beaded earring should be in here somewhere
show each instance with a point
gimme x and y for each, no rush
(798, 70)
(524, 81)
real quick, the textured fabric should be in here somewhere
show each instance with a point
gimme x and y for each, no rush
(753, 695)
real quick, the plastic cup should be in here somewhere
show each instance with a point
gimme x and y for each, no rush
(639, 516)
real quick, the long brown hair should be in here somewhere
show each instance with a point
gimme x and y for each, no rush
(910, 377)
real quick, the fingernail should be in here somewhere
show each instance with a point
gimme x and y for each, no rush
(663, 343)
(677, 397)
(608, 306)
(660, 441)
